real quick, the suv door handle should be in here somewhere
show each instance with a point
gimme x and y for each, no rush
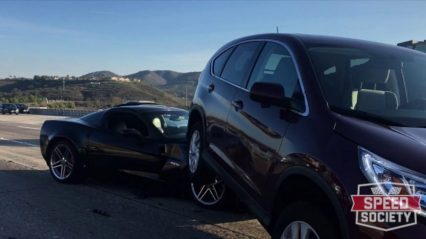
(211, 88)
(238, 104)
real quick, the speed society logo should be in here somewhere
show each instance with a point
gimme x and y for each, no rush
(386, 206)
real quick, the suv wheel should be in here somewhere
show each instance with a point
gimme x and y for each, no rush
(304, 220)
(64, 164)
(207, 189)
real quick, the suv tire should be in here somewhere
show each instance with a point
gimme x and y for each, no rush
(302, 217)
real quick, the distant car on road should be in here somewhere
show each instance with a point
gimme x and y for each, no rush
(150, 138)
(23, 108)
(9, 109)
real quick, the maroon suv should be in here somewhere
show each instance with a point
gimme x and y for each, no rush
(295, 125)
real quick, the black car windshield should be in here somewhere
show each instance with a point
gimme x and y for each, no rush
(373, 82)
(172, 124)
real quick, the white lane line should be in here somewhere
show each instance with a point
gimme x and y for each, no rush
(19, 142)
(26, 127)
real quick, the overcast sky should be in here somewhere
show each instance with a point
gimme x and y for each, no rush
(64, 37)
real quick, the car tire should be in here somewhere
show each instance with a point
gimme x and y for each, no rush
(206, 188)
(305, 217)
(64, 163)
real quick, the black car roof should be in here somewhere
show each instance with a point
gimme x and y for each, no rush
(152, 108)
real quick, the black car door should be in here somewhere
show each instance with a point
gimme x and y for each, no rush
(123, 141)
(255, 130)
(227, 80)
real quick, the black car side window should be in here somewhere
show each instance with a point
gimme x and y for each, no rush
(238, 65)
(220, 61)
(121, 122)
(275, 65)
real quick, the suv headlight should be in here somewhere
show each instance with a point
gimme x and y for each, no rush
(381, 171)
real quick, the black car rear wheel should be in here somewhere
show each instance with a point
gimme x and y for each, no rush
(207, 189)
(64, 163)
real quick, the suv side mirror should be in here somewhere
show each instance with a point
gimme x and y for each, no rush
(267, 93)
(271, 94)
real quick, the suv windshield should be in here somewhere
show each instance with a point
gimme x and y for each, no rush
(375, 82)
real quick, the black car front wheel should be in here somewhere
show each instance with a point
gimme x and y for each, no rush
(207, 189)
(64, 163)
(305, 220)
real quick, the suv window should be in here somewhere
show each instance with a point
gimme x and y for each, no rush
(220, 61)
(239, 63)
(275, 65)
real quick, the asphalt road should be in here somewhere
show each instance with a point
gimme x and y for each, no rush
(33, 205)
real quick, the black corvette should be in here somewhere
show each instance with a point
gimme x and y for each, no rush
(150, 138)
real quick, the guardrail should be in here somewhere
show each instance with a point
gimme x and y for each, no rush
(60, 112)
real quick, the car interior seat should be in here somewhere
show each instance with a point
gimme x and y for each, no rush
(285, 74)
(375, 90)
(119, 127)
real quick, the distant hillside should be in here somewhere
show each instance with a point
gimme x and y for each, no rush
(98, 75)
(105, 88)
(99, 93)
(149, 77)
(175, 83)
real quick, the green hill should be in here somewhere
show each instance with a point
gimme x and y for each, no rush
(98, 75)
(85, 93)
(176, 83)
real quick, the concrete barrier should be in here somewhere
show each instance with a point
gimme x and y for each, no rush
(60, 112)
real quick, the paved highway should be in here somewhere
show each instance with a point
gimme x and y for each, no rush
(33, 205)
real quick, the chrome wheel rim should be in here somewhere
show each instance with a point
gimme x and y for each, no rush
(299, 230)
(61, 162)
(194, 151)
(209, 194)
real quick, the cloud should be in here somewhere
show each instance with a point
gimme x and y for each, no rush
(3, 36)
(14, 24)
(179, 61)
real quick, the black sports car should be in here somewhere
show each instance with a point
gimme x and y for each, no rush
(149, 138)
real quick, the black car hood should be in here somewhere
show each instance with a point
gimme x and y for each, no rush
(402, 145)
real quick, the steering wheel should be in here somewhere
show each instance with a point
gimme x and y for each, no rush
(417, 104)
